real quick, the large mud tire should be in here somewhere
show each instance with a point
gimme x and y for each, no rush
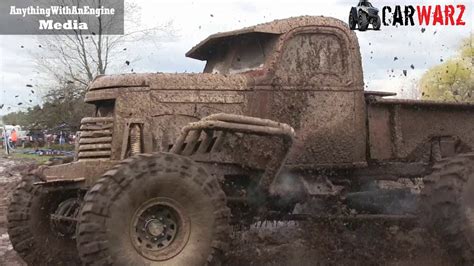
(107, 234)
(376, 23)
(353, 18)
(29, 226)
(448, 205)
(363, 21)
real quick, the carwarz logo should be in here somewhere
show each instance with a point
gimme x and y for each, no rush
(364, 14)
(448, 15)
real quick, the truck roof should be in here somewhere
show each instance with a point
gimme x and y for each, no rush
(202, 52)
(276, 27)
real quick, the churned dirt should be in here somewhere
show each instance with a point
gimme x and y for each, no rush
(325, 242)
(337, 243)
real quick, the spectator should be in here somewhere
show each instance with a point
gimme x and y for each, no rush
(61, 138)
(2, 139)
(13, 138)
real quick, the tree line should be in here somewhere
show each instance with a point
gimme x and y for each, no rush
(62, 107)
(452, 80)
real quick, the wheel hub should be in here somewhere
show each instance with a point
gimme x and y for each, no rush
(159, 229)
(155, 228)
(63, 221)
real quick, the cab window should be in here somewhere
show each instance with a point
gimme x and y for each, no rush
(241, 54)
(104, 108)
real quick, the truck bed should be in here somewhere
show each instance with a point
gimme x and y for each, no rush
(402, 129)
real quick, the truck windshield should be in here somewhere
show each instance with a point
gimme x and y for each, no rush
(104, 108)
(249, 55)
(242, 54)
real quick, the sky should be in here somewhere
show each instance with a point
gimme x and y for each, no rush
(416, 48)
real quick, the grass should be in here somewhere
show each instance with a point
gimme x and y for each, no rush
(37, 158)
(18, 154)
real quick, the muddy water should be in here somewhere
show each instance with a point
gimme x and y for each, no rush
(302, 243)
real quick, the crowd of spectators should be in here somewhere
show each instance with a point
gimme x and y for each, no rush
(36, 139)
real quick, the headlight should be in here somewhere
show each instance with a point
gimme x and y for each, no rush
(135, 139)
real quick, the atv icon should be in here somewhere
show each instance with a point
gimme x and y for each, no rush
(364, 14)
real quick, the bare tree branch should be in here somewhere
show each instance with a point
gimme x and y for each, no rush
(84, 55)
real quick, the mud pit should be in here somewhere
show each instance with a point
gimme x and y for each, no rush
(328, 242)
(338, 243)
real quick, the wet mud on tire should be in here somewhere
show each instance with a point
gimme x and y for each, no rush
(134, 195)
(448, 205)
(9, 179)
(30, 228)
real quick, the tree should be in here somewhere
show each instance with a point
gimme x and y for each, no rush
(81, 56)
(62, 107)
(16, 118)
(452, 80)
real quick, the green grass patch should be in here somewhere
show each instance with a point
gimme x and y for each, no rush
(19, 153)
(64, 147)
(37, 158)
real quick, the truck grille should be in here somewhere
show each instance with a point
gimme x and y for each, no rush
(95, 138)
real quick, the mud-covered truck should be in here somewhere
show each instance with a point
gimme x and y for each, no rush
(168, 163)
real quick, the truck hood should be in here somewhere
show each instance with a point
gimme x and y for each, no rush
(157, 81)
(108, 87)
